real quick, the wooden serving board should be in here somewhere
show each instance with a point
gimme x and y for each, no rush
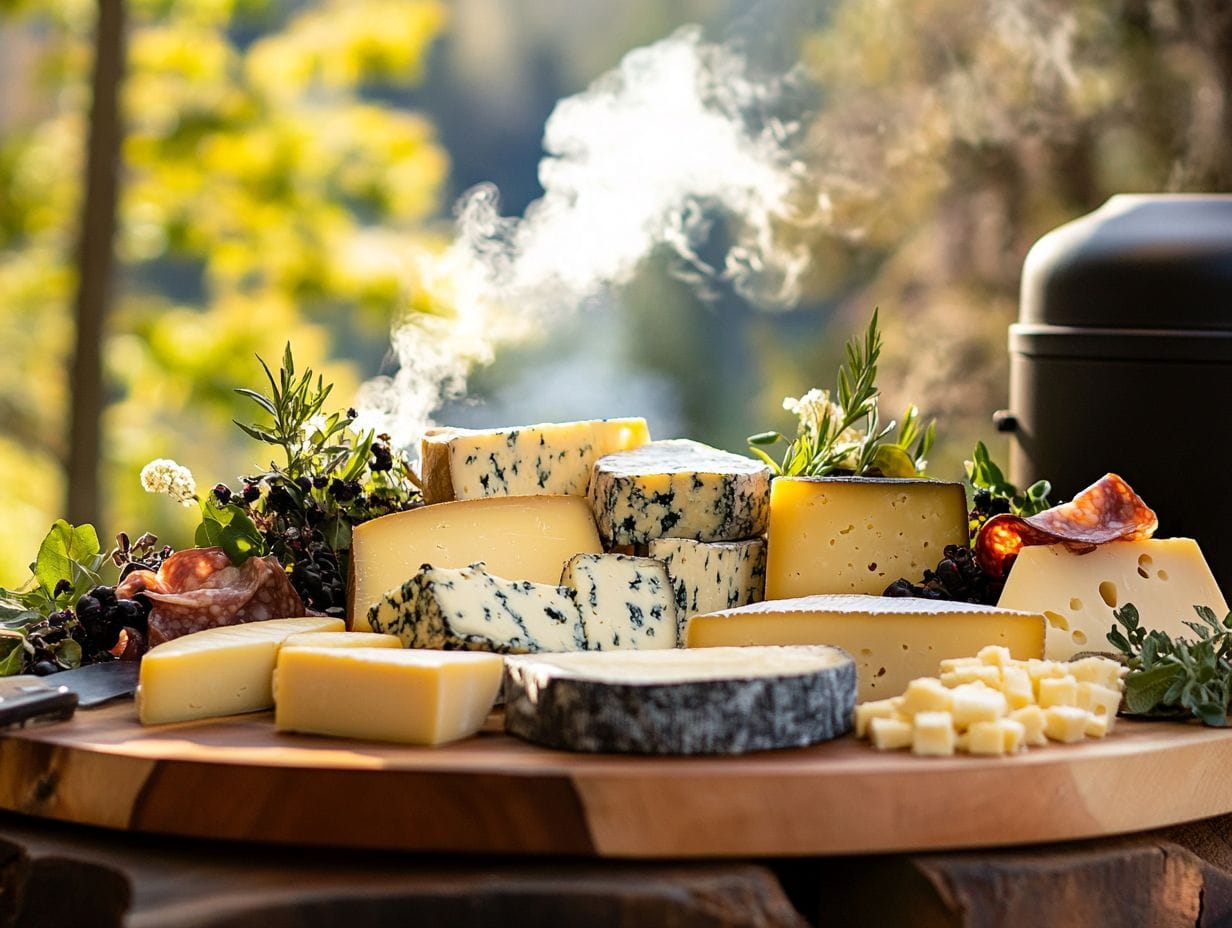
(238, 779)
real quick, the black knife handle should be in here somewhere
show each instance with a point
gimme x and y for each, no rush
(23, 700)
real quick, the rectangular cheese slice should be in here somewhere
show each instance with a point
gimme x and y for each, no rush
(679, 489)
(379, 694)
(627, 603)
(893, 640)
(858, 535)
(555, 457)
(342, 640)
(521, 537)
(1163, 577)
(218, 671)
(469, 609)
(712, 575)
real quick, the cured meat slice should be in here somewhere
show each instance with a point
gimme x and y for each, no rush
(1107, 510)
(200, 588)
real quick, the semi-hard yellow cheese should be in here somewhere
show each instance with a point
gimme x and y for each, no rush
(218, 671)
(893, 640)
(410, 696)
(1163, 577)
(342, 640)
(517, 537)
(858, 535)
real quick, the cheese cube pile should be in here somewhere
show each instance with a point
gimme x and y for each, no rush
(992, 704)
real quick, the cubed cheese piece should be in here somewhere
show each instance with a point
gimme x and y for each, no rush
(1031, 718)
(890, 734)
(1004, 736)
(975, 702)
(520, 537)
(932, 734)
(1099, 700)
(712, 575)
(893, 640)
(1016, 685)
(342, 640)
(679, 489)
(1097, 726)
(1066, 724)
(1058, 691)
(1041, 670)
(1163, 577)
(470, 609)
(995, 655)
(555, 457)
(381, 694)
(218, 671)
(1101, 670)
(954, 664)
(988, 674)
(857, 535)
(926, 694)
(626, 602)
(877, 709)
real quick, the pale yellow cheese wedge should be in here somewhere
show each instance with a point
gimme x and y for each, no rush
(342, 640)
(218, 671)
(410, 696)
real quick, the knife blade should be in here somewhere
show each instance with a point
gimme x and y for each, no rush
(96, 684)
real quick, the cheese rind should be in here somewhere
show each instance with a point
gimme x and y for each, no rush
(380, 694)
(523, 537)
(626, 602)
(858, 535)
(341, 640)
(1163, 577)
(893, 640)
(469, 609)
(679, 489)
(725, 700)
(218, 671)
(712, 575)
(552, 457)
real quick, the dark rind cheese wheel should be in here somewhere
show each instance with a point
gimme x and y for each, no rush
(703, 701)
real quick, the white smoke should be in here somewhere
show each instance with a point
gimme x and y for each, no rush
(680, 134)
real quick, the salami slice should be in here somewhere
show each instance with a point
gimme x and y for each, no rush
(1107, 510)
(200, 588)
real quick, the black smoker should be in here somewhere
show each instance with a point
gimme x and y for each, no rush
(1122, 360)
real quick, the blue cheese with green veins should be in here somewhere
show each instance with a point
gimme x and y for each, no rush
(551, 458)
(627, 603)
(679, 489)
(468, 609)
(712, 575)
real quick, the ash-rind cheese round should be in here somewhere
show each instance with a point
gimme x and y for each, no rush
(679, 489)
(709, 701)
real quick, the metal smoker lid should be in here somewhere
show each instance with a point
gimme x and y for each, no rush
(1140, 261)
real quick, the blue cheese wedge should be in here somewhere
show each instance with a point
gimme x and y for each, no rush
(468, 609)
(679, 489)
(711, 701)
(711, 575)
(551, 458)
(626, 602)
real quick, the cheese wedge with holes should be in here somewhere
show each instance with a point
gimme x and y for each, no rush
(218, 671)
(381, 694)
(893, 640)
(555, 457)
(858, 535)
(1076, 593)
(520, 537)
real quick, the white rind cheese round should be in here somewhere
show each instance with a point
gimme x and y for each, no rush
(711, 701)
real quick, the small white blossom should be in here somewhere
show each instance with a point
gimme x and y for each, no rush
(166, 476)
(314, 424)
(811, 408)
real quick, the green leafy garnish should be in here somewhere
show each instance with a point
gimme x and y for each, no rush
(67, 565)
(1177, 678)
(846, 436)
(983, 474)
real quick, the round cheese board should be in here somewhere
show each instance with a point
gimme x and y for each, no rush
(238, 779)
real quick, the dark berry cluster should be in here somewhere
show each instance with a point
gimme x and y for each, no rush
(983, 507)
(95, 624)
(957, 577)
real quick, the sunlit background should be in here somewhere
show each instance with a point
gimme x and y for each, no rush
(724, 192)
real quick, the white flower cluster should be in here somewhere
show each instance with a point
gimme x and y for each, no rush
(811, 408)
(166, 476)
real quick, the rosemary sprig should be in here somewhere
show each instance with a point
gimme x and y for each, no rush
(1177, 678)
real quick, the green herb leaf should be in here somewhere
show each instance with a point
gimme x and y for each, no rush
(12, 654)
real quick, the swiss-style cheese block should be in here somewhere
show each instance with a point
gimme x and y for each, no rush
(858, 535)
(469, 609)
(555, 457)
(380, 694)
(716, 701)
(712, 575)
(342, 640)
(626, 602)
(218, 671)
(679, 489)
(893, 639)
(522, 537)
(1163, 577)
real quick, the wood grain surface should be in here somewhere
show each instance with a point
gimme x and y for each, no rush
(238, 779)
